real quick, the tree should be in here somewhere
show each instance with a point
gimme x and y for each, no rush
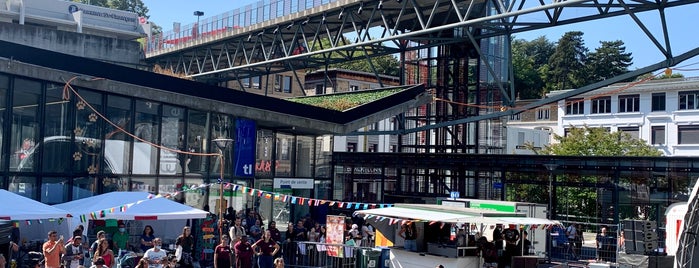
(384, 64)
(609, 60)
(567, 63)
(528, 59)
(135, 6)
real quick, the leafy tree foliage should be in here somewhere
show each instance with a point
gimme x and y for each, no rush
(529, 59)
(567, 63)
(385, 64)
(609, 60)
(589, 141)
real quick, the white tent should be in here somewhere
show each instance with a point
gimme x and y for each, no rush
(138, 206)
(17, 207)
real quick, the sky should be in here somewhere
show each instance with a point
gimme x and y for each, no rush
(682, 21)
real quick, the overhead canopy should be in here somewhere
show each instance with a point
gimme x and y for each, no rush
(453, 215)
(138, 206)
(17, 207)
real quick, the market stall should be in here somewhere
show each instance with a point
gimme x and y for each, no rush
(34, 219)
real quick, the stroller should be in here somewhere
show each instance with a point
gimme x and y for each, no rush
(129, 260)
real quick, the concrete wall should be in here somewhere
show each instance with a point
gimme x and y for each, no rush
(107, 49)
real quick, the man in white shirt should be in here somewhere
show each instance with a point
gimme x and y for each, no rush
(156, 256)
(74, 254)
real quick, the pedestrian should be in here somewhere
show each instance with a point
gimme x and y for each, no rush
(243, 253)
(74, 254)
(267, 250)
(105, 253)
(222, 254)
(186, 241)
(279, 263)
(52, 249)
(408, 232)
(156, 256)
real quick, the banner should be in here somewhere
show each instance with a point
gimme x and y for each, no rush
(244, 150)
(335, 234)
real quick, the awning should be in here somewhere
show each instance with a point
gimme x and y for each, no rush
(17, 207)
(448, 214)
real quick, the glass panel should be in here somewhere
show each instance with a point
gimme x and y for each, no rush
(196, 140)
(323, 156)
(115, 184)
(54, 190)
(25, 122)
(169, 186)
(84, 187)
(143, 185)
(145, 156)
(117, 143)
(304, 156)
(194, 198)
(263, 164)
(24, 186)
(284, 155)
(4, 87)
(172, 137)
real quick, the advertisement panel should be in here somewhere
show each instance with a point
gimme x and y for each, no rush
(244, 149)
(335, 234)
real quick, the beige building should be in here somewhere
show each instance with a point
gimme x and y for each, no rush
(280, 85)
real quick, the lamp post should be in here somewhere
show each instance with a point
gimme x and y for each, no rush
(198, 14)
(549, 210)
(222, 144)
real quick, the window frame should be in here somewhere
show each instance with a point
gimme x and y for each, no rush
(632, 100)
(575, 106)
(601, 105)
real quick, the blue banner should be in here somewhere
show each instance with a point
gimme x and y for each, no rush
(244, 149)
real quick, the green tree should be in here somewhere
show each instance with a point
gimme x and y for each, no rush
(609, 60)
(357, 61)
(528, 59)
(135, 6)
(567, 63)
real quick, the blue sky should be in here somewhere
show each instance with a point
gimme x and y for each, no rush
(682, 22)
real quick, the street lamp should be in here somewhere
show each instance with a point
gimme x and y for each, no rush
(549, 212)
(222, 144)
(198, 14)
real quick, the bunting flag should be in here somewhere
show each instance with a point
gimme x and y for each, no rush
(83, 218)
(29, 222)
(39, 221)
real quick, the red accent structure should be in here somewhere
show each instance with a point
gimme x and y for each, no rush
(145, 218)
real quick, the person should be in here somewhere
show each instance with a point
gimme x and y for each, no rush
(243, 253)
(121, 238)
(440, 266)
(155, 256)
(604, 245)
(3, 262)
(408, 231)
(222, 253)
(98, 263)
(511, 237)
(279, 263)
(236, 232)
(25, 150)
(52, 249)
(268, 249)
(95, 245)
(142, 263)
(523, 245)
(74, 253)
(367, 235)
(186, 241)
(488, 252)
(572, 234)
(354, 231)
(290, 247)
(313, 235)
(276, 234)
(579, 240)
(498, 238)
(147, 238)
(300, 232)
(255, 231)
(105, 253)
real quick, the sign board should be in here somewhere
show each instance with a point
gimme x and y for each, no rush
(293, 183)
(493, 206)
(244, 149)
(454, 194)
(497, 185)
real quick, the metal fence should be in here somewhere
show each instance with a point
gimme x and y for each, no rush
(312, 254)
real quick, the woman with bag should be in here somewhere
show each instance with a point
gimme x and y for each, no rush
(186, 242)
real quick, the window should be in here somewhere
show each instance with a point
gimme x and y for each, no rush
(633, 131)
(657, 102)
(286, 84)
(543, 114)
(688, 134)
(657, 134)
(319, 90)
(278, 83)
(373, 148)
(688, 100)
(575, 106)
(256, 82)
(520, 138)
(629, 103)
(351, 147)
(245, 82)
(353, 88)
(602, 105)
(516, 117)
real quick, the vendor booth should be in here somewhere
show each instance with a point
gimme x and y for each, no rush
(135, 210)
(34, 219)
(445, 235)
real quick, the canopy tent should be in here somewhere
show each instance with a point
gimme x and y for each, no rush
(17, 207)
(447, 214)
(131, 206)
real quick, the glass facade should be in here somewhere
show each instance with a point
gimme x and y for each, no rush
(58, 147)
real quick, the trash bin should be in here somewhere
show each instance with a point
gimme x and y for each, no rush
(385, 260)
(368, 258)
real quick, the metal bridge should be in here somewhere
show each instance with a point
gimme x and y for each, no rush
(464, 45)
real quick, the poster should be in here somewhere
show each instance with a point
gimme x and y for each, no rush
(335, 234)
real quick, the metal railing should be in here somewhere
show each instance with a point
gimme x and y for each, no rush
(313, 254)
(226, 23)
